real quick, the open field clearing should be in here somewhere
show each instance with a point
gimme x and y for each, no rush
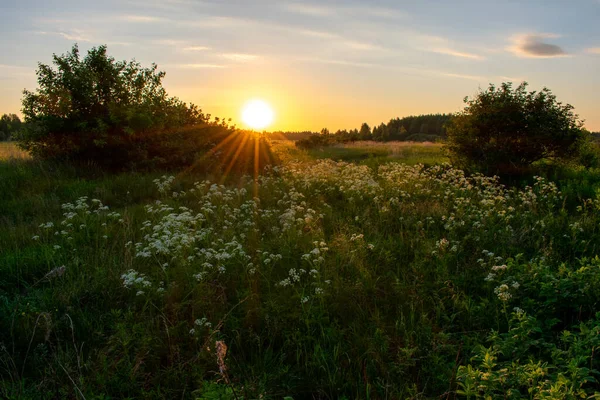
(9, 150)
(380, 152)
(321, 279)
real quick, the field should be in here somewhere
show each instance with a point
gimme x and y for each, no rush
(361, 271)
(373, 153)
(9, 150)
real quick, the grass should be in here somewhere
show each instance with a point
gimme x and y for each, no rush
(375, 153)
(375, 278)
(9, 151)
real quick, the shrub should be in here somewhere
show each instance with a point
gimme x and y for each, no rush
(505, 130)
(97, 109)
(317, 140)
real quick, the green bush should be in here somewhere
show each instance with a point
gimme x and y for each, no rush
(504, 130)
(317, 140)
(101, 110)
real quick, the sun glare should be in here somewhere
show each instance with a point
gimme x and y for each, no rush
(257, 114)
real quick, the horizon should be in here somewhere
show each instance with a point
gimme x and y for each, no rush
(333, 64)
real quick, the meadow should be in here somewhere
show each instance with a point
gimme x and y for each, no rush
(360, 271)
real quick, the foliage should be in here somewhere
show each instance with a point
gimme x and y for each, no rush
(10, 124)
(316, 140)
(505, 129)
(589, 155)
(324, 279)
(433, 125)
(92, 108)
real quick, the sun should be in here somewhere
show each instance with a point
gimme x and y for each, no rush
(257, 114)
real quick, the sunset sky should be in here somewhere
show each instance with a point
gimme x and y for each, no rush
(320, 64)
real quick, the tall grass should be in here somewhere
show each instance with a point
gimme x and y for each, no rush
(10, 151)
(318, 279)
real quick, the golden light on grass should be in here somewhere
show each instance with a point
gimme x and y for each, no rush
(257, 114)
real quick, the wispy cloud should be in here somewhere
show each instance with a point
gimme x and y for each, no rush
(309, 9)
(316, 34)
(338, 39)
(441, 45)
(319, 10)
(12, 71)
(140, 18)
(74, 34)
(536, 45)
(340, 62)
(197, 66)
(464, 76)
(418, 71)
(240, 57)
(456, 53)
(196, 48)
(593, 50)
(357, 45)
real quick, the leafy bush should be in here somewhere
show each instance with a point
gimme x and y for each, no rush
(505, 130)
(589, 155)
(548, 350)
(98, 109)
(316, 140)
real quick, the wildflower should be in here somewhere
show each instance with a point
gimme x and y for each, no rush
(519, 311)
(502, 292)
(490, 277)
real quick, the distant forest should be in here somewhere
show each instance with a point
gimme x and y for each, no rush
(419, 128)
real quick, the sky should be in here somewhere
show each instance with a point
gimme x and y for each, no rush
(325, 63)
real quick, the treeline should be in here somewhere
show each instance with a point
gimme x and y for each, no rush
(415, 128)
(10, 124)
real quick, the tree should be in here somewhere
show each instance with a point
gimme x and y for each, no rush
(365, 131)
(10, 124)
(94, 108)
(505, 130)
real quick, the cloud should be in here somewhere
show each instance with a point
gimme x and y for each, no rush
(464, 76)
(356, 45)
(140, 18)
(318, 10)
(197, 66)
(535, 45)
(9, 72)
(339, 62)
(338, 39)
(310, 9)
(240, 57)
(441, 45)
(316, 34)
(593, 50)
(456, 53)
(196, 48)
(73, 34)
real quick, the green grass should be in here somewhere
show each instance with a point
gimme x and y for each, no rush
(396, 299)
(375, 153)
